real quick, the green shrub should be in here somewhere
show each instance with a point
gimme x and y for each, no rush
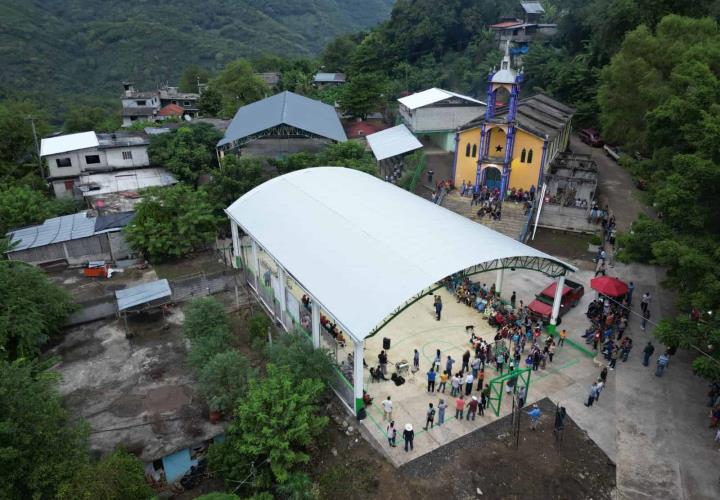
(258, 326)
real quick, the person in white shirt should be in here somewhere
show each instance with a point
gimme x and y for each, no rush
(387, 409)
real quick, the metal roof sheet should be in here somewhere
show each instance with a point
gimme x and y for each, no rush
(124, 180)
(68, 142)
(55, 230)
(392, 142)
(532, 7)
(113, 221)
(142, 294)
(285, 108)
(371, 235)
(432, 96)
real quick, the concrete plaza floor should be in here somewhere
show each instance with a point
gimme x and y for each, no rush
(416, 328)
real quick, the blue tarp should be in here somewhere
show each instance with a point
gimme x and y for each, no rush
(177, 465)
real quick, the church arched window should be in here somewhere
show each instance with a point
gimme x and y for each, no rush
(467, 149)
(530, 155)
(474, 150)
(522, 156)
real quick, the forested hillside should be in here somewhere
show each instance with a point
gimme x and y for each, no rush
(83, 48)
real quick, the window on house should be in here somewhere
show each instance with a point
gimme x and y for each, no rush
(522, 156)
(186, 103)
(141, 103)
(474, 151)
(530, 155)
(92, 159)
(467, 149)
(127, 155)
(63, 162)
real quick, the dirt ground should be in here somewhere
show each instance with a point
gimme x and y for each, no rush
(484, 464)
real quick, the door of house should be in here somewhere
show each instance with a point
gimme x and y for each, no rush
(493, 178)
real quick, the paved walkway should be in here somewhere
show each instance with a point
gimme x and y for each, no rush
(510, 224)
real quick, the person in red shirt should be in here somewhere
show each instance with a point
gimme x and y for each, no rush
(459, 407)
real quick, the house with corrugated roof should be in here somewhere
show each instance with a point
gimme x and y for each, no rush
(435, 114)
(281, 124)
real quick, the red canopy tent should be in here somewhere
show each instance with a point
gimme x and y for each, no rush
(609, 285)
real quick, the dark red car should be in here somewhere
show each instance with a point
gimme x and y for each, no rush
(591, 137)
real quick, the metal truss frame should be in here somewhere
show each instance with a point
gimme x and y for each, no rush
(542, 265)
(278, 132)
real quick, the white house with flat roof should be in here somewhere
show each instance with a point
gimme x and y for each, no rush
(72, 155)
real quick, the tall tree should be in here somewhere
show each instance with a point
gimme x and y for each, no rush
(239, 85)
(40, 448)
(23, 206)
(33, 309)
(187, 152)
(363, 95)
(273, 427)
(86, 118)
(234, 178)
(171, 223)
(191, 76)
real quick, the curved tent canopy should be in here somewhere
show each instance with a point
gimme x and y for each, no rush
(363, 248)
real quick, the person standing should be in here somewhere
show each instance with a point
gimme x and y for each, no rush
(513, 298)
(465, 362)
(614, 357)
(563, 334)
(631, 289)
(438, 307)
(521, 393)
(387, 409)
(436, 363)
(408, 436)
(441, 411)
(599, 386)
(455, 384)
(449, 364)
(469, 379)
(459, 407)
(647, 352)
(430, 174)
(536, 360)
(472, 408)
(443, 381)
(645, 318)
(431, 380)
(480, 379)
(416, 360)
(662, 362)
(475, 366)
(591, 395)
(382, 359)
(482, 403)
(551, 351)
(534, 414)
(603, 374)
(391, 434)
(430, 417)
(499, 363)
(645, 301)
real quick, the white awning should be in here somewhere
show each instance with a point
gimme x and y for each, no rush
(392, 142)
(363, 247)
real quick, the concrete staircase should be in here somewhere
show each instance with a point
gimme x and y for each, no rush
(511, 224)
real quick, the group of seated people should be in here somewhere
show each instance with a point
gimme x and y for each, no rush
(332, 329)
(492, 209)
(519, 195)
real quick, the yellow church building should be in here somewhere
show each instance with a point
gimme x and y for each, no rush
(513, 145)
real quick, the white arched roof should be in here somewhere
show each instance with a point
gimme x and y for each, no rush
(362, 247)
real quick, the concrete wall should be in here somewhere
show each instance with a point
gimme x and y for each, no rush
(78, 162)
(526, 174)
(139, 158)
(466, 166)
(133, 103)
(119, 248)
(444, 118)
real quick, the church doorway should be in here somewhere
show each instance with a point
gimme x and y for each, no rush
(493, 178)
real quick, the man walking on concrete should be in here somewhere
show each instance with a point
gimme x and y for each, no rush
(472, 408)
(387, 409)
(647, 352)
(662, 362)
(469, 379)
(592, 395)
(645, 301)
(408, 436)
(430, 417)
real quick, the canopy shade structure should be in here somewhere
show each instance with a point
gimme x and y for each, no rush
(609, 285)
(392, 142)
(363, 248)
(285, 108)
(142, 294)
(433, 96)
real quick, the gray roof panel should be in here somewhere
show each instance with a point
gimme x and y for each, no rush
(285, 108)
(55, 230)
(142, 294)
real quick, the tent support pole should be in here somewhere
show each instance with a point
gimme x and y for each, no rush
(358, 372)
(560, 284)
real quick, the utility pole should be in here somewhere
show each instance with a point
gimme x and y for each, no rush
(37, 145)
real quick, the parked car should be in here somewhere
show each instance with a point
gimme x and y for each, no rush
(591, 137)
(541, 307)
(613, 152)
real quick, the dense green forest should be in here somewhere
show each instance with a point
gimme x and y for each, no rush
(80, 50)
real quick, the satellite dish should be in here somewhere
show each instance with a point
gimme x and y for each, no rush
(188, 118)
